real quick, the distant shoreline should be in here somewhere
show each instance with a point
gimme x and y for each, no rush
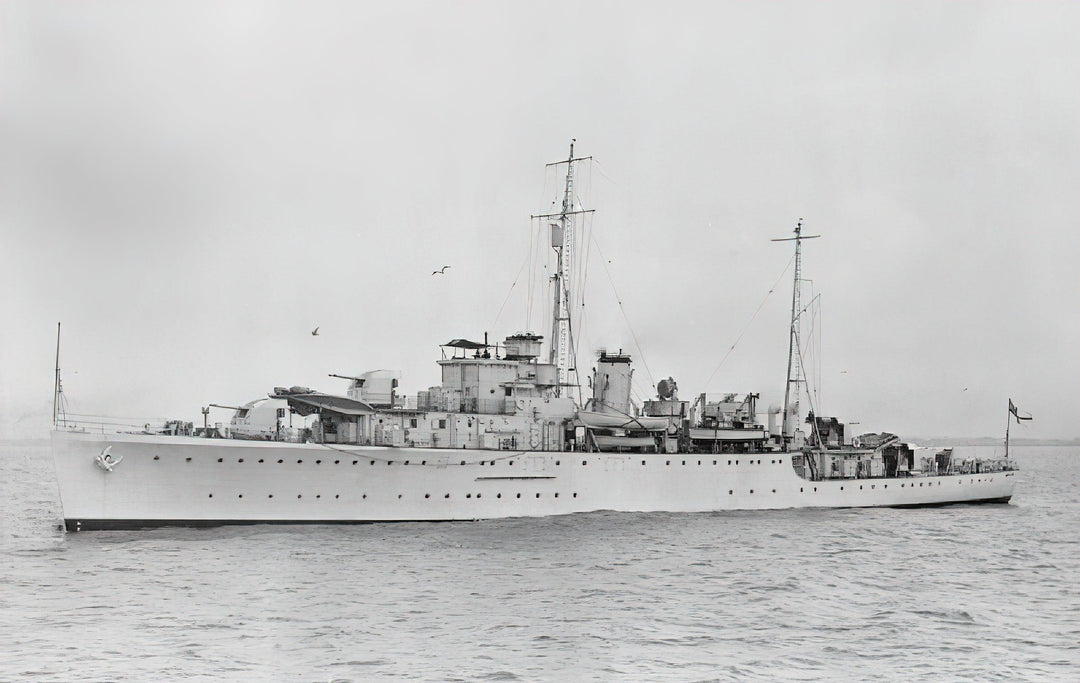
(990, 441)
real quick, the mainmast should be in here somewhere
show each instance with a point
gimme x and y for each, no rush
(794, 369)
(56, 381)
(563, 241)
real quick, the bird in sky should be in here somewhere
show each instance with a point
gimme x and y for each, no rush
(315, 332)
(440, 271)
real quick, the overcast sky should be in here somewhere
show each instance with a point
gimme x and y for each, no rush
(191, 187)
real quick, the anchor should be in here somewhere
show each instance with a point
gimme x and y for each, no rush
(105, 461)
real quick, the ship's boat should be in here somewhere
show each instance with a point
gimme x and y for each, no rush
(508, 432)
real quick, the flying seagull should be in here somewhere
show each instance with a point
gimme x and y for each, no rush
(440, 271)
(315, 332)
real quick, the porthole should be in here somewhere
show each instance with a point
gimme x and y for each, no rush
(446, 496)
(751, 490)
(240, 460)
(467, 495)
(772, 462)
(157, 457)
(780, 461)
(355, 461)
(398, 496)
(736, 462)
(187, 459)
(423, 462)
(860, 487)
(462, 462)
(774, 490)
(498, 495)
(478, 495)
(337, 495)
(211, 495)
(406, 462)
(391, 462)
(538, 495)
(841, 488)
(371, 462)
(337, 462)
(642, 463)
(299, 496)
(219, 459)
(575, 495)
(299, 461)
(427, 495)
(730, 492)
(729, 462)
(318, 462)
(239, 495)
(714, 462)
(556, 495)
(800, 489)
(261, 460)
(511, 462)
(270, 496)
(684, 462)
(280, 461)
(519, 495)
(815, 489)
(557, 463)
(584, 462)
(699, 463)
(667, 462)
(903, 485)
(319, 495)
(364, 497)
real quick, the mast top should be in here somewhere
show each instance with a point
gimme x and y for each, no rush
(798, 235)
(571, 159)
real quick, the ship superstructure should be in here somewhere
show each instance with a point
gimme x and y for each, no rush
(509, 431)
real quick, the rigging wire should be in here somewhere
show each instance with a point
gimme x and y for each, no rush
(749, 322)
(622, 308)
(606, 176)
(810, 400)
(529, 290)
(511, 291)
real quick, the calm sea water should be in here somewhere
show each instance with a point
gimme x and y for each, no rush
(965, 592)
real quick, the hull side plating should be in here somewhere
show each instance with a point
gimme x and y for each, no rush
(186, 481)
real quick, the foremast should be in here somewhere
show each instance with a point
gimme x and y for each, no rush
(563, 242)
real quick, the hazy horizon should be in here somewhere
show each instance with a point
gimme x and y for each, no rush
(192, 187)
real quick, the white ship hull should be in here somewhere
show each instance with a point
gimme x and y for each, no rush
(185, 481)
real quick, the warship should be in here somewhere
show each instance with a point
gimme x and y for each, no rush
(509, 432)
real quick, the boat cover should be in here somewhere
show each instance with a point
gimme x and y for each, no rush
(598, 420)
